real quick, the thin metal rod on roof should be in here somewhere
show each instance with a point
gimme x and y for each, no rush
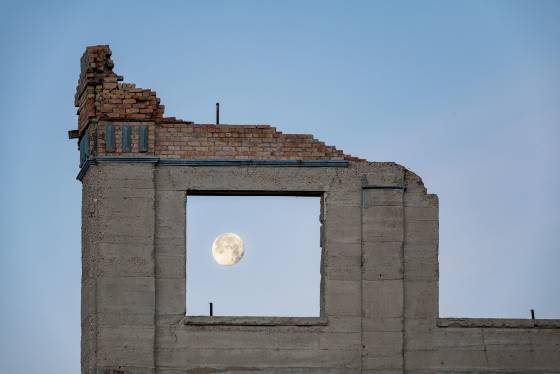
(217, 113)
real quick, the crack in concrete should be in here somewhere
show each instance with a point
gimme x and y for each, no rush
(484, 344)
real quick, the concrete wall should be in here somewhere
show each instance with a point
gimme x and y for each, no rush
(379, 286)
(379, 281)
(118, 282)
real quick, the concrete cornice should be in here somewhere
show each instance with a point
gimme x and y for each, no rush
(197, 163)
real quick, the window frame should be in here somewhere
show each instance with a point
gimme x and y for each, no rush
(320, 320)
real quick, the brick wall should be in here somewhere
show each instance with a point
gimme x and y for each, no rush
(103, 101)
(241, 142)
(99, 95)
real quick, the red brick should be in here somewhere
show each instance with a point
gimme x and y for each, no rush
(98, 95)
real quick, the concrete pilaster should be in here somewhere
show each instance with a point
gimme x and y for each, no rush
(119, 268)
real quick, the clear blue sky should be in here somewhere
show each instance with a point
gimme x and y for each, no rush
(279, 274)
(465, 93)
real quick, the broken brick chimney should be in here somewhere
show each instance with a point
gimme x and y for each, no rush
(119, 119)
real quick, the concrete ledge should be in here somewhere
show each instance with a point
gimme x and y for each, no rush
(509, 323)
(255, 321)
(185, 162)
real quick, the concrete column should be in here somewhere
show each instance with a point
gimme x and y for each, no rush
(382, 274)
(118, 300)
(421, 272)
(170, 242)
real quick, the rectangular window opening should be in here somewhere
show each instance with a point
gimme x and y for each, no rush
(278, 274)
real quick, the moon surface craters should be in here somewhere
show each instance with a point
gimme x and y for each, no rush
(228, 249)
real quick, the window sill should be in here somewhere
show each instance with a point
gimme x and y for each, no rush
(254, 321)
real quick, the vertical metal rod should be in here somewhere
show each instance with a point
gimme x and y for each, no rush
(217, 113)
(211, 309)
(532, 314)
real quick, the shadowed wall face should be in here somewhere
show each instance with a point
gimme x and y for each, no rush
(279, 274)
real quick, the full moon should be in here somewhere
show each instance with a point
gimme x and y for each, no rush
(227, 249)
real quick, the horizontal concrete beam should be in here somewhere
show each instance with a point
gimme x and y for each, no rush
(185, 162)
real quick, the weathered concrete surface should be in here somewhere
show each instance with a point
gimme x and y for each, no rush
(118, 277)
(379, 310)
(379, 239)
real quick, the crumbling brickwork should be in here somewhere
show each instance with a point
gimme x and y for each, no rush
(379, 266)
(241, 142)
(103, 101)
(100, 96)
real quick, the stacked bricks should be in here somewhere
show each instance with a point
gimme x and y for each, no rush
(125, 101)
(101, 100)
(240, 142)
(100, 96)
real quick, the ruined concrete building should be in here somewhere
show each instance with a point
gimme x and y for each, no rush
(379, 267)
